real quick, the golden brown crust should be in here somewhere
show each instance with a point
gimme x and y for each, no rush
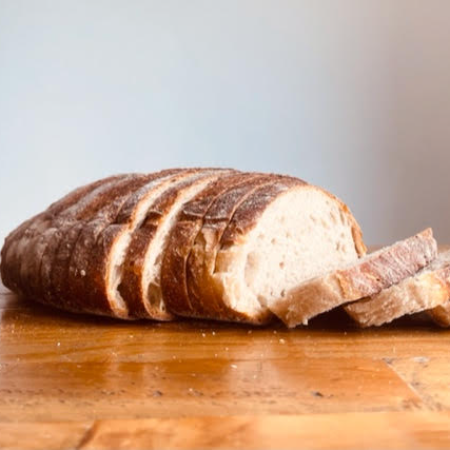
(55, 287)
(18, 255)
(76, 276)
(71, 250)
(182, 238)
(131, 287)
(98, 261)
(248, 199)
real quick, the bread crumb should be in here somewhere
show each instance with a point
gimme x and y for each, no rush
(82, 272)
(420, 359)
(282, 341)
(233, 366)
(58, 344)
(249, 332)
(317, 393)
(203, 334)
(213, 333)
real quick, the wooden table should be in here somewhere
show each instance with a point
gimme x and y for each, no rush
(69, 381)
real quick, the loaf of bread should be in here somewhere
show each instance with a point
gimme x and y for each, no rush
(206, 243)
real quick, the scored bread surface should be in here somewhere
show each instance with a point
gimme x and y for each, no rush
(141, 283)
(33, 263)
(103, 264)
(19, 241)
(62, 245)
(182, 237)
(200, 245)
(154, 245)
(80, 281)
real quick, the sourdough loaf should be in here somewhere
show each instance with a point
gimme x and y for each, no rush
(366, 277)
(207, 243)
(111, 247)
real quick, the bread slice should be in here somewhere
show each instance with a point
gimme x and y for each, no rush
(59, 245)
(207, 213)
(140, 283)
(84, 256)
(182, 238)
(281, 234)
(366, 277)
(441, 312)
(33, 250)
(18, 243)
(427, 289)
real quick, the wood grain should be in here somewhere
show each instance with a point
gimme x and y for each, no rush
(70, 381)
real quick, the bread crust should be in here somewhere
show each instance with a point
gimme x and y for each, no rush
(414, 294)
(131, 287)
(182, 238)
(71, 244)
(378, 271)
(55, 288)
(247, 200)
(12, 257)
(73, 277)
(99, 261)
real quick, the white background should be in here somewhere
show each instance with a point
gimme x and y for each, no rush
(353, 95)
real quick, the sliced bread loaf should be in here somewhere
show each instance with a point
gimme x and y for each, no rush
(81, 276)
(34, 253)
(427, 289)
(19, 242)
(140, 283)
(200, 235)
(284, 232)
(182, 237)
(366, 277)
(58, 246)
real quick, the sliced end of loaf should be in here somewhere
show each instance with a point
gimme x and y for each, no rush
(365, 277)
(303, 233)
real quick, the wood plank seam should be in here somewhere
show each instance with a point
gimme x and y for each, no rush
(426, 400)
(88, 435)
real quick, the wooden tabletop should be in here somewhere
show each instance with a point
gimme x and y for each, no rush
(70, 381)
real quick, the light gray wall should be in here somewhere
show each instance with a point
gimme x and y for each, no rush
(353, 95)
